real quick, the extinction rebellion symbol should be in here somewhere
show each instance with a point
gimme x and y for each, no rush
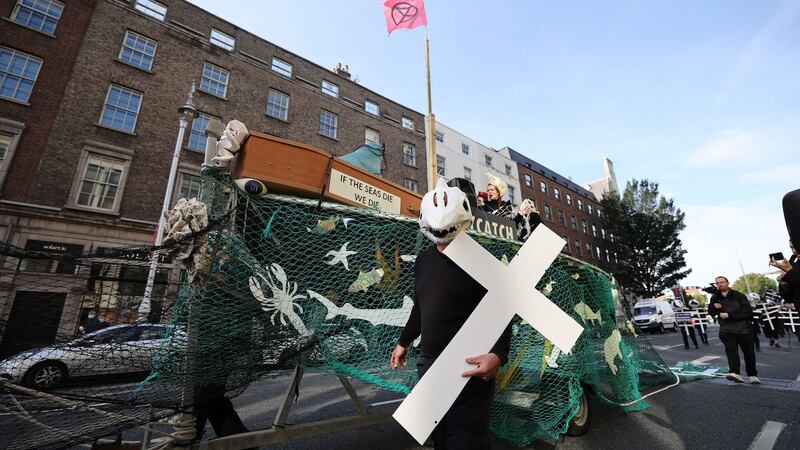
(404, 12)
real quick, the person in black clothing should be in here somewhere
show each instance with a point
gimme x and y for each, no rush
(789, 280)
(445, 298)
(493, 203)
(734, 313)
(93, 323)
(684, 321)
(527, 219)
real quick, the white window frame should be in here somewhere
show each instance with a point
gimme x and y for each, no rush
(543, 186)
(594, 230)
(578, 248)
(439, 136)
(138, 37)
(569, 199)
(214, 71)
(557, 193)
(100, 150)
(368, 107)
(467, 173)
(184, 170)
(511, 194)
(548, 213)
(573, 221)
(13, 130)
(580, 204)
(329, 88)
(411, 185)
(465, 150)
(4, 76)
(589, 209)
(45, 14)
(441, 169)
(584, 226)
(376, 133)
(276, 106)
(409, 157)
(192, 133)
(562, 218)
(334, 124)
(222, 40)
(281, 67)
(528, 180)
(407, 123)
(151, 8)
(136, 113)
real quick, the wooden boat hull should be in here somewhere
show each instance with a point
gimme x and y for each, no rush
(289, 167)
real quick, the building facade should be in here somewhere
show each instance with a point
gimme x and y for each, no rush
(568, 209)
(88, 125)
(459, 156)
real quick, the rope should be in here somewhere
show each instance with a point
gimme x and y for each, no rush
(185, 426)
(677, 382)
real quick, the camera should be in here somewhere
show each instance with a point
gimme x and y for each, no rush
(711, 289)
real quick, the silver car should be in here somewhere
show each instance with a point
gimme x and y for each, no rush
(115, 350)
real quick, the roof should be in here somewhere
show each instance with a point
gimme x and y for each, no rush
(551, 174)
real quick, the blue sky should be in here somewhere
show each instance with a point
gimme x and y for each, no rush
(702, 97)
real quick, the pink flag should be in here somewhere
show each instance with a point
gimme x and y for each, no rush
(404, 14)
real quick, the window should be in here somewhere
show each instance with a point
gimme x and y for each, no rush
(528, 180)
(100, 182)
(578, 249)
(151, 8)
(41, 15)
(608, 257)
(561, 219)
(409, 154)
(543, 186)
(222, 40)
(580, 204)
(371, 136)
(589, 250)
(5, 143)
(441, 170)
(328, 122)
(214, 80)
(566, 243)
(277, 105)
(121, 109)
(594, 230)
(10, 132)
(407, 123)
(599, 212)
(603, 232)
(589, 208)
(584, 227)
(557, 194)
(488, 160)
(467, 173)
(611, 236)
(197, 137)
(465, 149)
(410, 185)
(597, 251)
(190, 186)
(511, 193)
(569, 199)
(548, 213)
(508, 169)
(372, 108)
(439, 136)
(18, 72)
(138, 50)
(616, 260)
(282, 67)
(573, 222)
(329, 88)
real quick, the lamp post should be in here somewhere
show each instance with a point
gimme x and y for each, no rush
(186, 113)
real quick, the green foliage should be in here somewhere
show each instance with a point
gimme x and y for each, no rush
(758, 284)
(702, 299)
(645, 227)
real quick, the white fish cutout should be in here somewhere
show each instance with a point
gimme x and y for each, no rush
(365, 280)
(396, 317)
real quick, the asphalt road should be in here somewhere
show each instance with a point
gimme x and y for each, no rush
(700, 414)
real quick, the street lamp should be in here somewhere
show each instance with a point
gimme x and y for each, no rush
(186, 113)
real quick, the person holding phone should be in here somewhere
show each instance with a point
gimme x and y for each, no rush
(789, 279)
(734, 313)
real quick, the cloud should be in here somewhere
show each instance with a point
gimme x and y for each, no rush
(773, 175)
(729, 148)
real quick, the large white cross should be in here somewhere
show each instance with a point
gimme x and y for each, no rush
(510, 290)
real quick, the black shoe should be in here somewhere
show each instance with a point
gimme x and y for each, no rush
(777, 345)
(686, 348)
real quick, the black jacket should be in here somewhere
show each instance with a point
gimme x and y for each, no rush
(526, 224)
(789, 286)
(740, 313)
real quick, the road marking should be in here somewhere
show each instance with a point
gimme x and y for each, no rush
(704, 359)
(765, 440)
(388, 402)
(798, 378)
(665, 347)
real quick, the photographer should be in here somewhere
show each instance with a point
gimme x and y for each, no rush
(789, 279)
(734, 313)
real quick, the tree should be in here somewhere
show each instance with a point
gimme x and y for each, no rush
(645, 229)
(758, 283)
(702, 299)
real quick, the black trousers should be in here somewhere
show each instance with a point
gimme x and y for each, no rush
(732, 344)
(702, 333)
(466, 424)
(690, 331)
(210, 403)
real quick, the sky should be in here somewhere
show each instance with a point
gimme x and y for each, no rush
(701, 97)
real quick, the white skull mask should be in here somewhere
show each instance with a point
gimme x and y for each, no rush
(444, 213)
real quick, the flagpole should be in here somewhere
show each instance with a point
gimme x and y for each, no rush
(431, 141)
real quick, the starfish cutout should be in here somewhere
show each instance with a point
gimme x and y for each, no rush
(340, 256)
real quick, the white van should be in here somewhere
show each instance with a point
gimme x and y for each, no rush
(654, 315)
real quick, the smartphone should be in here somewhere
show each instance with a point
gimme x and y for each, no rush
(776, 256)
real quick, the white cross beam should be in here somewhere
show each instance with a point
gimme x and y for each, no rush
(510, 290)
(791, 317)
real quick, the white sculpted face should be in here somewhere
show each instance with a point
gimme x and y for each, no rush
(230, 142)
(444, 213)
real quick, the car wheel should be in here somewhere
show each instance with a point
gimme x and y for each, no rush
(579, 425)
(45, 375)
